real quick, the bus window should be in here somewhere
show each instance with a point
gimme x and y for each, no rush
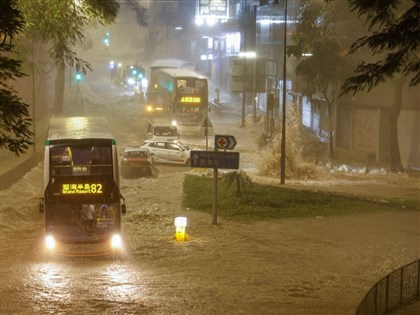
(181, 83)
(200, 85)
(61, 160)
(81, 160)
(61, 155)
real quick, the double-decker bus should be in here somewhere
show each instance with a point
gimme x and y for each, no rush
(183, 96)
(82, 203)
(153, 108)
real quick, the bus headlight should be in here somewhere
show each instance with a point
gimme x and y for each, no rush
(50, 242)
(116, 241)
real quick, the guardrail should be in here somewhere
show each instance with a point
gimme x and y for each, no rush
(216, 107)
(391, 292)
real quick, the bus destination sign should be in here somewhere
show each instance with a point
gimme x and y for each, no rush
(190, 99)
(81, 189)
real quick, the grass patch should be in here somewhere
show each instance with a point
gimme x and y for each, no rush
(261, 202)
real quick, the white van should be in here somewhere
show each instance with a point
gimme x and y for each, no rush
(162, 130)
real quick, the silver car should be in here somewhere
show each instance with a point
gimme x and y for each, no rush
(168, 151)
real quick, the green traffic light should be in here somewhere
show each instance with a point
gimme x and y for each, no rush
(78, 76)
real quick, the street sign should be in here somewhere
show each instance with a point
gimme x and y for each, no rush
(215, 159)
(224, 142)
(206, 129)
(207, 123)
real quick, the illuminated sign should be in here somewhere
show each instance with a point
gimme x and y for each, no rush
(190, 99)
(217, 8)
(81, 189)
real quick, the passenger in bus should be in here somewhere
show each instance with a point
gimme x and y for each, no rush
(105, 212)
(66, 157)
(89, 217)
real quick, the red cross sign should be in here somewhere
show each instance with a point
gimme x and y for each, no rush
(224, 142)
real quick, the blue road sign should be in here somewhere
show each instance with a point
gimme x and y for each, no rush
(224, 142)
(215, 159)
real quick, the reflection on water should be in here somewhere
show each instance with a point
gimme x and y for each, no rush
(50, 283)
(80, 285)
(121, 282)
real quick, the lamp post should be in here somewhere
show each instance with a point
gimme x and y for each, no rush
(79, 77)
(283, 125)
(243, 91)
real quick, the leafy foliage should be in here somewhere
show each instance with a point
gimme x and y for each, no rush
(62, 22)
(240, 178)
(324, 70)
(395, 33)
(314, 22)
(140, 11)
(15, 133)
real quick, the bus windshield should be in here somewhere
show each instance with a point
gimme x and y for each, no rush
(190, 86)
(69, 160)
(166, 131)
(73, 218)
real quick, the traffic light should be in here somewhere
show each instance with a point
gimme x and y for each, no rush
(138, 72)
(78, 77)
(106, 39)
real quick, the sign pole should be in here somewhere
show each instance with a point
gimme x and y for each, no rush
(217, 159)
(207, 136)
(214, 221)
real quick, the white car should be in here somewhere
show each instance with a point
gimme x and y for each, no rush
(168, 151)
(158, 129)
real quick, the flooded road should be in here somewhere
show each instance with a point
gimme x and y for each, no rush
(81, 286)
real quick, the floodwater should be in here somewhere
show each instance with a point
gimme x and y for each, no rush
(293, 266)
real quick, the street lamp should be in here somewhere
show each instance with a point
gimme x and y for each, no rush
(283, 125)
(79, 77)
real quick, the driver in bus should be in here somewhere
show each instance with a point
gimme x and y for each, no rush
(89, 217)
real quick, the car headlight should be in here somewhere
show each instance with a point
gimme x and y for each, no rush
(116, 241)
(50, 242)
(131, 81)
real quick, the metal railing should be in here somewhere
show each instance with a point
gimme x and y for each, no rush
(391, 292)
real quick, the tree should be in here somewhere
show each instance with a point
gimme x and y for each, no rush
(395, 30)
(394, 38)
(140, 11)
(15, 122)
(324, 69)
(238, 177)
(61, 23)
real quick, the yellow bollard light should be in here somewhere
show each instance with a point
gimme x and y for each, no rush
(180, 224)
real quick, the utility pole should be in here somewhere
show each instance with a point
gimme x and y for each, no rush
(243, 69)
(283, 125)
(254, 93)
